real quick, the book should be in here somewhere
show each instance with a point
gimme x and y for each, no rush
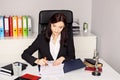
(91, 62)
(8, 69)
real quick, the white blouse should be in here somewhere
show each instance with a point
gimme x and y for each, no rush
(54, 48)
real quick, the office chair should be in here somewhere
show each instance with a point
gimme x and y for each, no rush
(45, 15)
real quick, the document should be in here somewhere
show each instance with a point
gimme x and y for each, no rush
(51, 70)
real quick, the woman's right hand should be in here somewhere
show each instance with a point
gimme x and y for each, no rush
(41, 62)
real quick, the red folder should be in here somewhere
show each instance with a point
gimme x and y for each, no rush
(31, 77)
(6, 26)
(11, 26)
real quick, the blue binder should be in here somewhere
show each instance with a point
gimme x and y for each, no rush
(73, 65)
(1, 27)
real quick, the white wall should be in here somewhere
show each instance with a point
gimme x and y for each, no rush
(106, 25)
(80, 8)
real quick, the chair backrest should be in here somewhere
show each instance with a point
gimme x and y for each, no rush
(45, 15)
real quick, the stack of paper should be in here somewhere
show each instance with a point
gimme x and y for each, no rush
(51, 70)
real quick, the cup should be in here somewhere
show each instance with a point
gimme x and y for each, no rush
(85, 27)
(17, 68)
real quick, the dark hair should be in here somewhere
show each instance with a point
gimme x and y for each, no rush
(57, 17)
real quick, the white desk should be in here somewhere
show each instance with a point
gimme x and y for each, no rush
(80, 74)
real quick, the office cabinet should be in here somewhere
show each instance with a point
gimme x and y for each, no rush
(85, 44)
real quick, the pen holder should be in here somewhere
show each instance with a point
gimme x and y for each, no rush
(17, 68)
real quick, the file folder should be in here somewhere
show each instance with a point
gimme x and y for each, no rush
(73, 65)
(11, 26)
(25, 26)
(1, 27)
(15, 26)
(19, 26)
(6, 26)
(29, 26)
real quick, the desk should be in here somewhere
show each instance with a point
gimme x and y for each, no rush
(108, 74)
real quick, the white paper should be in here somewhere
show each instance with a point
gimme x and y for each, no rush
(51, 70)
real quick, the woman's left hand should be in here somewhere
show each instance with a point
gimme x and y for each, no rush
(58, 61)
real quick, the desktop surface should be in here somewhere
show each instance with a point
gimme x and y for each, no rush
(108, 73)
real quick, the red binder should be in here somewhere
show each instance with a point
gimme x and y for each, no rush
(11, 26)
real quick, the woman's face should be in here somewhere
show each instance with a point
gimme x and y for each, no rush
(56, 28)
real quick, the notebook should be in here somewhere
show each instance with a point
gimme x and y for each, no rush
(8, 69)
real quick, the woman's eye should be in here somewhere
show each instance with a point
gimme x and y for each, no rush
(60, 27)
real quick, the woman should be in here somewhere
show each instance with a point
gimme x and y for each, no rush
(53, 44)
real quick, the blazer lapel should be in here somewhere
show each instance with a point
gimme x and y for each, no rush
(49, 53)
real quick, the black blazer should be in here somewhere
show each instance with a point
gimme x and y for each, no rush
(42, 45)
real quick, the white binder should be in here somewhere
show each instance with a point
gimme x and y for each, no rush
(29, 26)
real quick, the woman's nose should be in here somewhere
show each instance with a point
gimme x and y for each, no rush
(56, 29)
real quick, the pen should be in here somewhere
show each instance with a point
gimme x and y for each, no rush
(45, 64)
(39, 68)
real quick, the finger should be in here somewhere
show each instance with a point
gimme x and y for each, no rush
(41, 62)
(45, 61)
(56, 63)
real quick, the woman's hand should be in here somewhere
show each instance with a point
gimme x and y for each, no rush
(41, 62)
(58, 61)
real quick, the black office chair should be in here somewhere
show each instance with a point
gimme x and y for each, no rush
(45, 15)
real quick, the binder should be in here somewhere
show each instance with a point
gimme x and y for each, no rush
(25, 26)
(11, 26)
(29, 26)
(20, 26)
(15, 26)
(1, 27)
(6, 26)
(73, 65)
